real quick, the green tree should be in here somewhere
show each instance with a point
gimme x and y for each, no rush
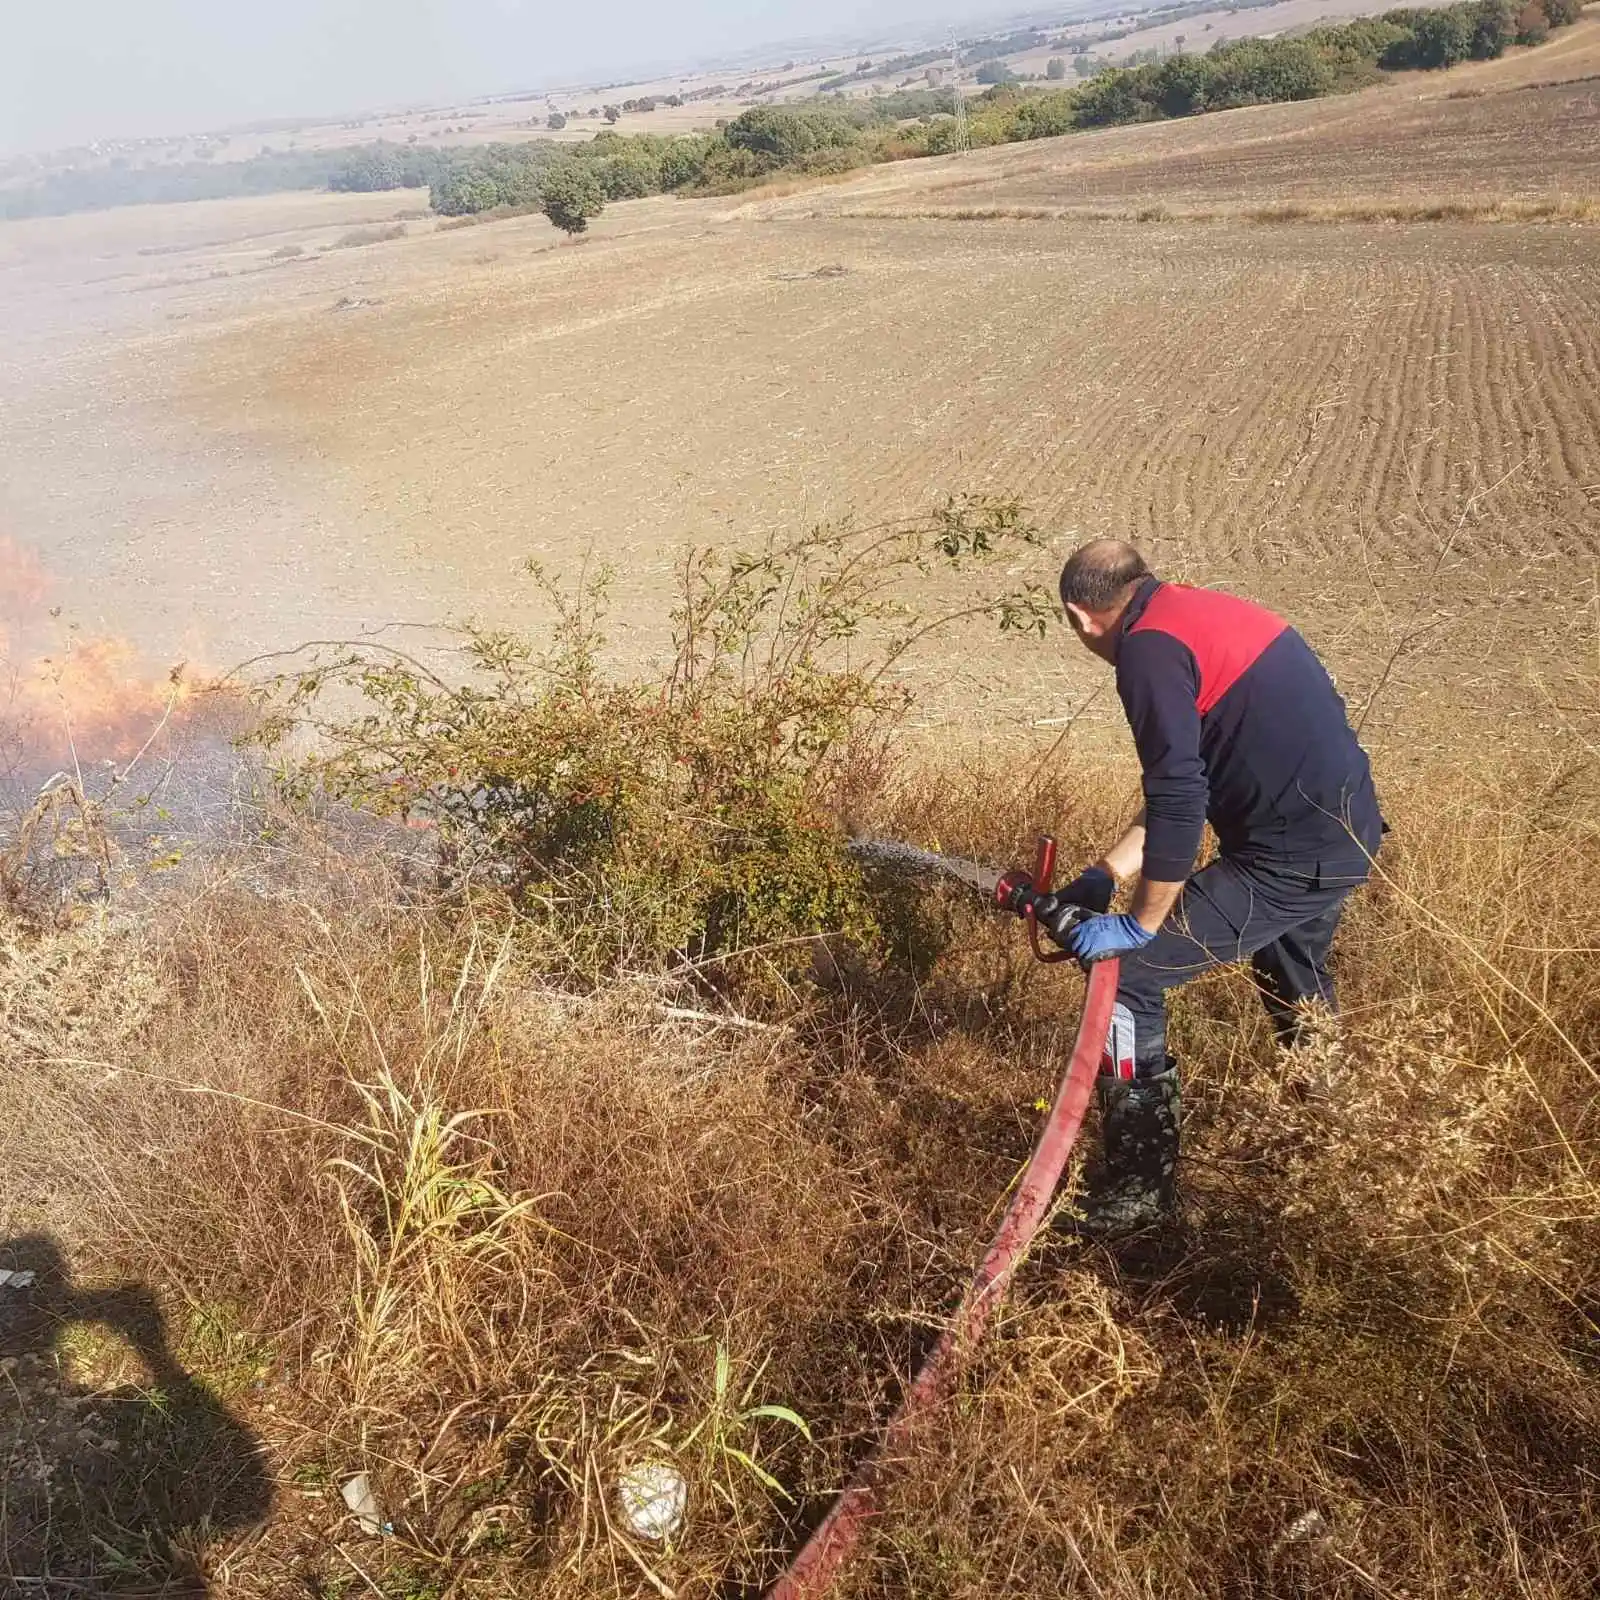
(556, 121)
(1493, 28)
(369, 172)
(629, 174)
(1057, 67)
(683, 161)
(1045, 116)
(783, 134)
(1183, 86)
(571, 195)
(1256, 71)
(1113, 97)
(995, 72)
(464, 194)
(1443, 38)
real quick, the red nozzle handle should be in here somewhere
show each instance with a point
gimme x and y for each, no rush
(1044, 863)
(1044, 866)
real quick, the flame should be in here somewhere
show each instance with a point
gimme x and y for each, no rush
(70, 700)
(101, 706)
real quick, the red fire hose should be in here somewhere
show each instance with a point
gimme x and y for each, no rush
(814, 1569)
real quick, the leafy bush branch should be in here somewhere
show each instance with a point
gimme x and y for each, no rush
(684, 819)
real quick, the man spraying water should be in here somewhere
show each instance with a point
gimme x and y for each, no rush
(1236, 722)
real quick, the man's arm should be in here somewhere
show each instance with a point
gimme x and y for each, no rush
(1153, 900)
(1124, 859)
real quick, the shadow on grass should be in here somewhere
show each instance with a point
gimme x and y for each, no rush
(112, 1490)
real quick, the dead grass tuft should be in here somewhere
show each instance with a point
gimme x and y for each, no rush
(1561, 208)
(499, 1241)
(382, 233)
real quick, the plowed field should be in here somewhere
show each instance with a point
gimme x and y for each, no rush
(1387, 428)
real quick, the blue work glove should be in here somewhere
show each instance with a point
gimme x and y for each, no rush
(1099, 938)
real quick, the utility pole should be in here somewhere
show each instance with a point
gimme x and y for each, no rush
(961, 140)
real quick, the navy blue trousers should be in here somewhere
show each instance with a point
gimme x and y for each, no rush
(1280, 919)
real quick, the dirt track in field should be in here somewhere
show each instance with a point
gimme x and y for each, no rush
(1381, 428)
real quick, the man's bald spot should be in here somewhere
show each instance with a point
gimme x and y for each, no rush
(1100, 576)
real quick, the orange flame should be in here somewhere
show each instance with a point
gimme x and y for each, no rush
(88, 699)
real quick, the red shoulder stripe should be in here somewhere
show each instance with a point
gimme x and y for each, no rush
(1226, 635)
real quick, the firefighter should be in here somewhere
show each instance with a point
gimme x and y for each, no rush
(1236, 722)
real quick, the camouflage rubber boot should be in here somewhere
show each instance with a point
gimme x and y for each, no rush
(1136, 1185)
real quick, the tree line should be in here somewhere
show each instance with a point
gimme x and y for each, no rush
(572, 183)
(833, 134)
(121, 183)
(1329, 60)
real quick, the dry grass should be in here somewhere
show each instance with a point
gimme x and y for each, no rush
(1566, 208)
(491, 1241)
(386, 233)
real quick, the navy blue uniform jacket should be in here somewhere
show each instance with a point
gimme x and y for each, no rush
(1238, 723)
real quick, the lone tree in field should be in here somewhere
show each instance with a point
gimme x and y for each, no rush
(1057, 67)
(556, 121)
(570, 195)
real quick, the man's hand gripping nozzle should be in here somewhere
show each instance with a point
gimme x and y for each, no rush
(1028, 895)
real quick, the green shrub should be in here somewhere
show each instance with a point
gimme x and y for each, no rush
(1442, 38)
(671, 820)
(939, 139)
(683, 161)
(1252, 71)
(726, 169)
(464, 193)
(369, 171)
(1045, 116)
(1121, 95)
(1184, 86)
(1354, 49)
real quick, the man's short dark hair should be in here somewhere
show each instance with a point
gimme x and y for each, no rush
(1099, 576)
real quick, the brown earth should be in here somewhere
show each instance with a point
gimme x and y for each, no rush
(1382, 428)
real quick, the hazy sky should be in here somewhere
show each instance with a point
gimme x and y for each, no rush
(80, 69)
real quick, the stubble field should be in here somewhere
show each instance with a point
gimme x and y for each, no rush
(1379, 425)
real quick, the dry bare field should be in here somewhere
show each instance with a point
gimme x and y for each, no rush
(252, 435)
(1323, 412)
